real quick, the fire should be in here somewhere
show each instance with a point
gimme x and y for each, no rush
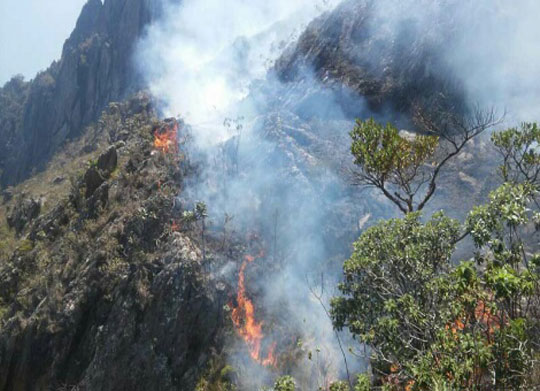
(165, 139)
(243, 317)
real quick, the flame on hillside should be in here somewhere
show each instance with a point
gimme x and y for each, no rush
(243, 317)
(165, 139)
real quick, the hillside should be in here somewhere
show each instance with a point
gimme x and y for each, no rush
(95, 68)
(139, 252)
(107, 274)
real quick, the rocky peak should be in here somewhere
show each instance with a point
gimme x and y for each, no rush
(95, 69)
(393, 68)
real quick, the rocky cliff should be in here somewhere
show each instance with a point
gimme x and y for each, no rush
(95, 68)
(107, 287)
(394, 67)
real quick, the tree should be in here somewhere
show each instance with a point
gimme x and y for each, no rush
(432, 324)
(406, 167)
(520, 151)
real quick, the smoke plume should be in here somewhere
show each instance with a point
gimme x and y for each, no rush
(263, 146)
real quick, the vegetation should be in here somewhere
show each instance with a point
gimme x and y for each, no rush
(285, 383)
(433, 323)
(407, 167)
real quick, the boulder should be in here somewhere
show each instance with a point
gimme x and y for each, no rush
(98, 200)
(107, 161)
(7, 194)
(92, 180)
(58, 180)
(24, 211)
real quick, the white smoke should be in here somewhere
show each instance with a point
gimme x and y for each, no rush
(491, 46)
(201, 61)
(203, 55)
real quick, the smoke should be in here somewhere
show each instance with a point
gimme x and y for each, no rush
(498, 56)
(203, 55)
(269, 151)
(492, 47)
(204, 61)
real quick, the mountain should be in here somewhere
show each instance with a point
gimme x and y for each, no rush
(95, 68)
(104, 291)
(394, 68)
(113, 277)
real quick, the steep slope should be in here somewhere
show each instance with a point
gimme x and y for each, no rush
(394, 67)
(106, 284)
(95, 69)
(105, 289)
(353, 63)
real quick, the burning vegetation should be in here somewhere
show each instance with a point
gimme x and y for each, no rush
(166, 138)
(243, 317)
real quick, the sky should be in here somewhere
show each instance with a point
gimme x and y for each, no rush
(32, 33)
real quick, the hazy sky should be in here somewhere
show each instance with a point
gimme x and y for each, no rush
(32, 33)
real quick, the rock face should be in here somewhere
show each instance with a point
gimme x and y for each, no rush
(107, 161)
(96, 68)
(26, 210)
(102, 294)
(392, 68)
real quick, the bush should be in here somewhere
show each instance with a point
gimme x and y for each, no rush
(285, 383)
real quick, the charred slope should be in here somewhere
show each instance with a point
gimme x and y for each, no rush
(349, 63)
(95, 69)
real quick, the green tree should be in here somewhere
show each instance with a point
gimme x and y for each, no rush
(520, 151)
(432, 324)
(406, 167)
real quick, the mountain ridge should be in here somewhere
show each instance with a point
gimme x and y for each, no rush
(95, 68)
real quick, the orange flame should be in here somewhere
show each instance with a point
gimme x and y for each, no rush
(165, 140)
(244, 320)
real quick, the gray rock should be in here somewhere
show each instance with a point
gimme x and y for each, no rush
(107, 161)
(95, 68)
(58, 180)
(7, 194)
(99, 199)
(345, 50)
(25, 210)
(92, 180)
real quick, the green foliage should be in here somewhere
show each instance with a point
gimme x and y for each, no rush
(520, 149)
(201, 211)
(25, 246)
(188, 216)
(389, 277)
(507, 208)
(384, 154)
(406, 167)
(285, 383)
(433, 324)
(340, 386)
(362, 383)
(395, 164)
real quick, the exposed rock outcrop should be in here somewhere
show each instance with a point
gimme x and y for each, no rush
(96, 68)
(25, 210)
(102, 294)
(392, 68)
